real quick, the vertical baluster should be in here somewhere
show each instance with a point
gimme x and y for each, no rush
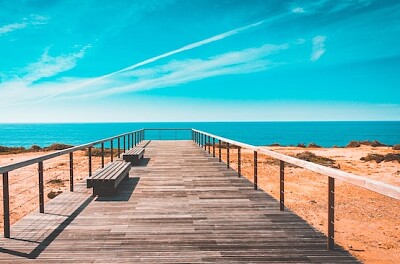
(124, 144)
(6, 206)
(71, 171)
(239, 162)
(255, 170)
(41, 191)
(282, 185)
(90, 160)
(112, 150)
(213, 147)
(132, 140)
(227, 155)
(205, 142)
(129, 141)
(331, 214)
(209, 144)
(219, 153)
(119, 147)
(102, 154)
(135, 139)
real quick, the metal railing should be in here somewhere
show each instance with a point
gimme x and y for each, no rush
(124, 141)
(204, 140)
(168, 133)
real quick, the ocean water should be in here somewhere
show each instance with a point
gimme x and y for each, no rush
(325, 134)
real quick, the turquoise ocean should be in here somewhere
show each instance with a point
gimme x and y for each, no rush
(325, 134)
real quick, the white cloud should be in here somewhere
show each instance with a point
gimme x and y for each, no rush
(173, 73)
(331, 6)
(48, 66)
(318, 48)
(12, 27)
(298, 10)
(32, 20)
(165, 55)
(181, 72)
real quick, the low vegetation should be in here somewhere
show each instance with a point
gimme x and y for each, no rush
(57, 146)
(313, 145)
(373, 143)
(34, 148)
(53, 194)
(378, 158)
(396, 147)
(311, 157)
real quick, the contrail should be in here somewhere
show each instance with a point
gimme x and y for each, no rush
(167, 54)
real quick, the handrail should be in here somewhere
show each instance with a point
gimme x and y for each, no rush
(24, 163)
(167, 129)
(361, 181)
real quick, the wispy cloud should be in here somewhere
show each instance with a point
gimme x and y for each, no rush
(173, 73)
(48, 65)
(331, 6)
(164, 55)
(298, 10)
(318, 48)
(32, 20)
(184, 71)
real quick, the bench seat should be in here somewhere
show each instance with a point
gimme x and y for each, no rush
(106, 180)
(133, 155)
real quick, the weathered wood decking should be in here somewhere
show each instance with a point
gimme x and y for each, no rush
(180, 205)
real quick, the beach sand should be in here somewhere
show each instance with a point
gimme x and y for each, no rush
(367, 224)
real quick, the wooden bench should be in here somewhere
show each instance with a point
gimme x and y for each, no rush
(105, 181)
(133, 155)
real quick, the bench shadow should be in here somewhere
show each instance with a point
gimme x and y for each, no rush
(123, 192)
(42, 245)
(143, 162)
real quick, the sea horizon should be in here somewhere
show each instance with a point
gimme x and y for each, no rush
(260, 133)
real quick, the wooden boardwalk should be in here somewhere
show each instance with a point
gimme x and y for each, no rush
(180, 206)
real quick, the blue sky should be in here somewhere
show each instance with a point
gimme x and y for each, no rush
(199, 60)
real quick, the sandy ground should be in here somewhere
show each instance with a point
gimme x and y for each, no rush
(23, 183)
(367, 224)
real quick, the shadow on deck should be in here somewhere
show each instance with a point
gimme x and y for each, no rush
(180, 205)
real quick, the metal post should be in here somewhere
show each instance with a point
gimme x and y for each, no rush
(132, 140)
(6, 206)
(90, 160)
(129, 141)
(124, 144)
(135, 139)
(119, 147)
(282, 185)
(71, 171)
(255, 170)
(331, 214)
(209, 144)
(205, 142)
(219, 154)
(102, 155)
(213, 147)
(112, 150)
(41, 191)
(239, 162)
(227, 155)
